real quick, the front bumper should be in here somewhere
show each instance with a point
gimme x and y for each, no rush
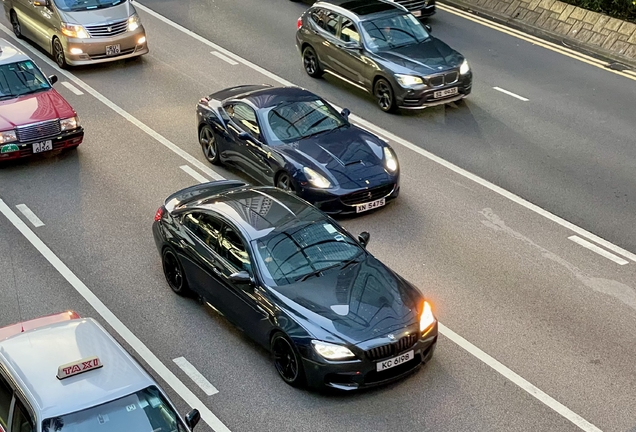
(426, 11)
(62, 141)
(362, 373)
(412, 98)
(346, 201)
(94, 49)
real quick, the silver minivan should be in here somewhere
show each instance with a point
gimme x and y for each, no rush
(79, 32)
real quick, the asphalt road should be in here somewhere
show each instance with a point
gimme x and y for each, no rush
(505, 278)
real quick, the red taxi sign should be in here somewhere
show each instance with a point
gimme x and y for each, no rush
(78, 367)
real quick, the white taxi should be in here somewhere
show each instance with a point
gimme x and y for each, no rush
(64, 373)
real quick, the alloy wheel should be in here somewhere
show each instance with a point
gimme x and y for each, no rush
(311, 63)
(58, 53)
(208, 145)
(384, 95)
(284, 182)
(174, 273)
(17, 30)
(285, 360)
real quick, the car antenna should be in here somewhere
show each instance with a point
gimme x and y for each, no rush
(17, 296)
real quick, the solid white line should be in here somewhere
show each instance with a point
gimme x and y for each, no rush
(198, 177)
(72, 88)
(171, 379)
(532, 390)
(598, 250)
(509, 93)
(119, 110)
(30, 215)
(196, 376)
(224, 58)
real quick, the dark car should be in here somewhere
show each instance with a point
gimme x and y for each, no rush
(296, 282)
(379, 47)
(290, 138)
(419, 8)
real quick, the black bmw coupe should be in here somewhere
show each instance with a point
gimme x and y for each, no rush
(296, 282)
(290, 138)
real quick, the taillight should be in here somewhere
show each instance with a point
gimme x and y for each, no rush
(159, 213)
(299, 23)
(204, 101)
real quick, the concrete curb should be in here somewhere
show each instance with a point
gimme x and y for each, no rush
(614, 59)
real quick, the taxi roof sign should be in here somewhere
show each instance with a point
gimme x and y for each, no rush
(78, 367)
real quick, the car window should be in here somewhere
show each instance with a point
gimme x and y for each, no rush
(348, 32)
(331, 22)
(290, 121)
(393, 31)
(6, 394)
(207, 228)
(245, 118)
(21, 78)
(233, 249)
(290, 254)
(79, 5)
(21, 421)
(317, 16)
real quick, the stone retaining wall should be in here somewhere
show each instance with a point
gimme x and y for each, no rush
(600, 33)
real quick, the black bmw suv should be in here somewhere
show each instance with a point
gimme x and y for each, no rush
(379, 46)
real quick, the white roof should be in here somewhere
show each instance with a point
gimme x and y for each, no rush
(10, 53)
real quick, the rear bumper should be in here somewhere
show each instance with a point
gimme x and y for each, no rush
(25, 149)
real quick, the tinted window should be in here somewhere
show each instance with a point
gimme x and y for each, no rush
(21, 419)
(21, 78)
(393, 31)
(6, 394)
(205, 227)
(331, 22)
(288, 256)
(77, 5)
(349, 32)
(233, 249)
(316, 16)
(245, 118)
(290, 121)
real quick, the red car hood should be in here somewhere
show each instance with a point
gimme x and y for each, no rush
(33, 108)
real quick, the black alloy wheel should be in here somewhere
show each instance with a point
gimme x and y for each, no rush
(17, 30)
(287, 361)
(173, 272)
(208, 145)
(311, 63)
(284, 182)
(58, 53)
(384, 95)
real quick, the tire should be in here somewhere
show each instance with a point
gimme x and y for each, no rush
(15, 24)
(287, 361)
(284, 182)
(58, 54)
(311, 63)
(173, 271)
(209, 146)
(384, 95)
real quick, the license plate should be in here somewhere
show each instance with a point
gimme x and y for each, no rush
(445, 92)
(417, 13)
(370, 205)
(113, 50)
(42, 146)
(395, 361)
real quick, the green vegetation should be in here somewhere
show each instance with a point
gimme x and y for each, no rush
(622, 9)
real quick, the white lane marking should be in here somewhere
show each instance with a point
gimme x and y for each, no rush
(598, 250)
(26, 211)
(532, 390)
(534, 40)
(509, 93)
(72, 88)
(198, 177)
(171, 379)
(224, 58)
(195, 376)
(119, 110)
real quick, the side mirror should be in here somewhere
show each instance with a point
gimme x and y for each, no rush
(53, 79)
(364, 238)
(244, 136)
(428, 28)
(43, 3)
(192, 418)
(241, 277)
(345, 113)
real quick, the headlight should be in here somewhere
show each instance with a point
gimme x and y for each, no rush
(464, 68)
(316, 179)
(427, 318)
(7, 136)
(133, 22)
(332, 351)
(408, 80)
(390, 160)
(69, 123)
(74, 31)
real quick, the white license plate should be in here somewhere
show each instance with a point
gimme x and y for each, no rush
(113, 50)
(445, 93)
(395, 361)
(417, 13)
(370, 205)
(42, 146)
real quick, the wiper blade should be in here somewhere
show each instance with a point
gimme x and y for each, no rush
(317, 272)
(352, 260)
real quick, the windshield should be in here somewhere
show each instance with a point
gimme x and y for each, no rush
(80, 5)
(21, 78)
(394, 31)
(289, 256)
(144, 411)
(291, 121)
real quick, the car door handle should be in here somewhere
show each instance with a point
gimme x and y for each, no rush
(217, 271)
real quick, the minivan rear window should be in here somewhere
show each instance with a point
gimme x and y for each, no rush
(81, 5)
